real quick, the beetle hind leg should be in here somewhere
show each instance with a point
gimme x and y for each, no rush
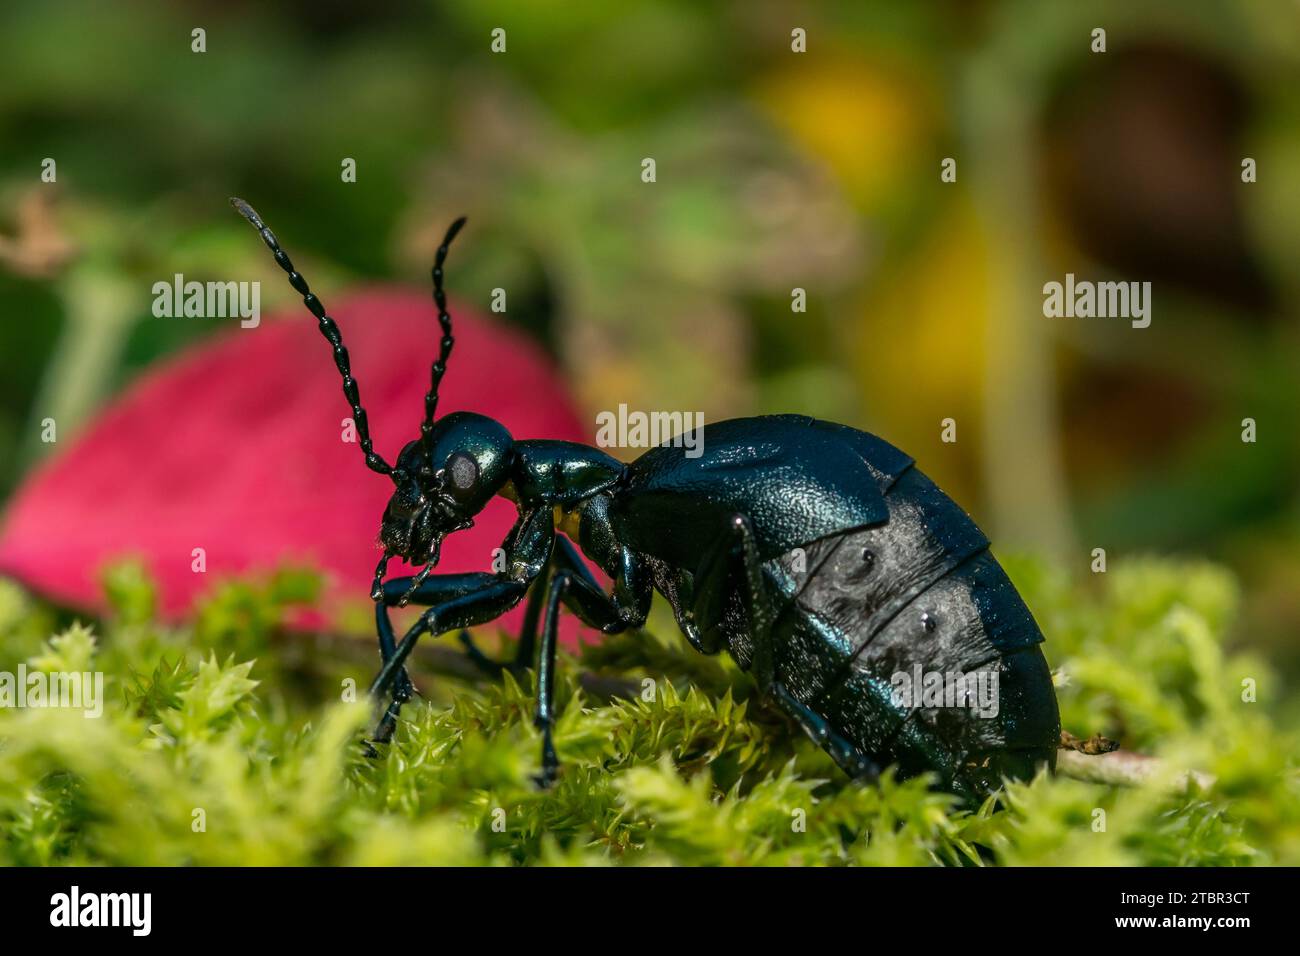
(736, 558)
(849, 759)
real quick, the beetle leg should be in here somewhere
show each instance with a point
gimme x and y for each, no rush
(823, 735)
(404, 688)
(762, 623)
(526, 649)
(433, 591)
(734, 557)
(460, 601)
(574, 586)
(429, 592)
(528, 546)
(681, 597)
(739, 551)
(492, 598)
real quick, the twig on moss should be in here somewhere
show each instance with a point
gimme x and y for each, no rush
(1094, 745)
(1122, 768)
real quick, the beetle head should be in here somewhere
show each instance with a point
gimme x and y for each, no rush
(442, 481)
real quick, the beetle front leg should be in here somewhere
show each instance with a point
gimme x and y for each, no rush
(436, 590)
(527, 647)
(460, 601)
(404, 689)
(491, 600)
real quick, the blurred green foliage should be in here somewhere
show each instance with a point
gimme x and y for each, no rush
(703, 773)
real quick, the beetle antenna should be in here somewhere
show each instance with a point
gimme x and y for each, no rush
(444, 347)
(328, 328)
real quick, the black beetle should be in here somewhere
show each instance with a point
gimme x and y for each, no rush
(831, 568)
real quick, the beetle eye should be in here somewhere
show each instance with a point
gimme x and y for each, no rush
(462, 473)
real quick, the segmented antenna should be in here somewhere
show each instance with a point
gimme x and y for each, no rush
(328, 328)
(440, 364)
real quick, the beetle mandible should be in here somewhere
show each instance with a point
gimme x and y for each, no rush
(817, 555)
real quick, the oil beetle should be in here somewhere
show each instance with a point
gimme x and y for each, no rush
(816, 554)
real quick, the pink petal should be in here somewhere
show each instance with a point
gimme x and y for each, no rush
(235, 447)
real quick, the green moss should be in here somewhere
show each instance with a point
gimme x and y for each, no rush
(231, 741)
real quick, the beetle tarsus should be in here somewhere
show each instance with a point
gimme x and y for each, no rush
(550, 771)
(403, 692)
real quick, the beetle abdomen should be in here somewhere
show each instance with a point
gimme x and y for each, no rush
(910, 639)
(954, 683)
